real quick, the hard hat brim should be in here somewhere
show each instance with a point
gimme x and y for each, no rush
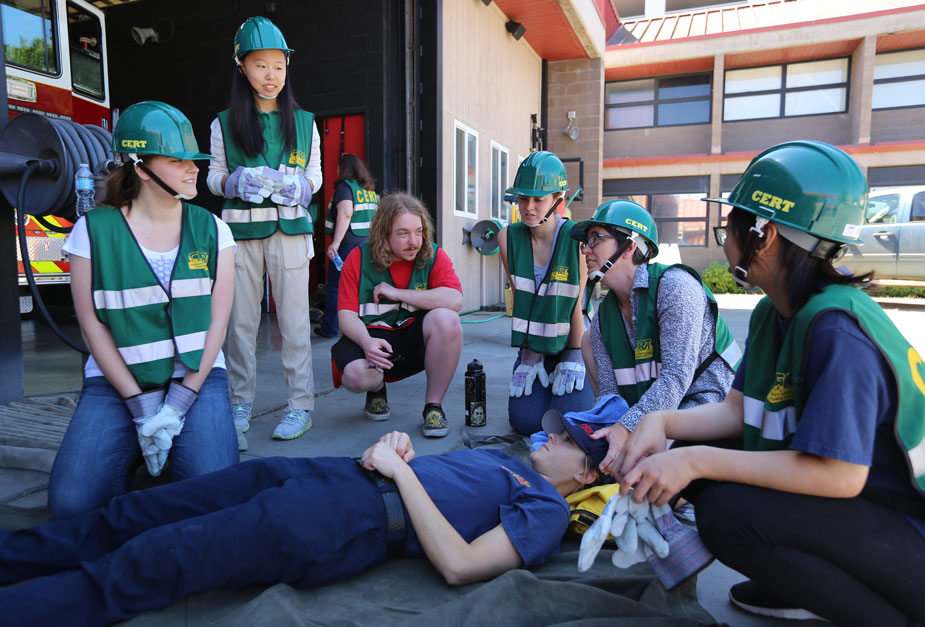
(517, 191)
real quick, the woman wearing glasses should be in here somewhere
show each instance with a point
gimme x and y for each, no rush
(547, 277)
(657, 339)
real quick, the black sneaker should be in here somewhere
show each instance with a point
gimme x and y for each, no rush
(377, 405)
(749, 596)
(435, 423)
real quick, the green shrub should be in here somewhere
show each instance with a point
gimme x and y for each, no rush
(718, 279)
(896, 291)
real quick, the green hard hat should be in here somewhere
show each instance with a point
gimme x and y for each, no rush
(155, 128)
(259, 33)
(623, 215)
(807, 185)
(540, 174)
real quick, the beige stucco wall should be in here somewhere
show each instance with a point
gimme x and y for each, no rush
(491, 83)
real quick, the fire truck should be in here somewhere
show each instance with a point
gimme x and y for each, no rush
(55, 66)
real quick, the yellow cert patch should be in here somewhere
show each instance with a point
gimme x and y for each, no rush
(420, 287)
(644, 349)
(782, 390)
(297, 157)
(198, 260)
(134, 143)
(559, 273)
(519, 479)
(918, 369)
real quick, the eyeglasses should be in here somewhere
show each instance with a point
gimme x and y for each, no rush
(593, 240)
(719, 232)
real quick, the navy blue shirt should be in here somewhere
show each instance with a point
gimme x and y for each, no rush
(478, 489)
(850, 405)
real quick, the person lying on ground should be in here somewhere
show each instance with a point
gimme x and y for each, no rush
(306, 522)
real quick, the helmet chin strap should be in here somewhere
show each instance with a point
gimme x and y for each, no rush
(595, 277)
(154, 177)
(755, 233)
(548, 213)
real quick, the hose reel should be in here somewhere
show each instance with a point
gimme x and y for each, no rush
(39, 157)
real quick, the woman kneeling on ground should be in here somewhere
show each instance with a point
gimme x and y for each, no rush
(821, 506)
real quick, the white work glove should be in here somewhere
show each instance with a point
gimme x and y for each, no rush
(245, 183)
(293, 190)
(530, 368)
(569, 375)
(628, 523)
(594, 537)
(156, 433)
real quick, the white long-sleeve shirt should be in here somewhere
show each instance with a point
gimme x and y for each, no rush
(218, 167)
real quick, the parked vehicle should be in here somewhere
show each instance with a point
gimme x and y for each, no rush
(893, 235)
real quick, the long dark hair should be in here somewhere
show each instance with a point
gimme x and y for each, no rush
(350, 166)
(245, 130)
(802, 274)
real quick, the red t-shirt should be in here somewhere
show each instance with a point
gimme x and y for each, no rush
(348, 296)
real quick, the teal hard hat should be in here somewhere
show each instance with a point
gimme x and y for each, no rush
(625, 216)
(259, 33)
(540, 174)
(806, 185)
(155, 128)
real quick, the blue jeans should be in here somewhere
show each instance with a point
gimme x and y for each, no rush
(304, 522)
(98, 457)
(526, 413)
(329, 325)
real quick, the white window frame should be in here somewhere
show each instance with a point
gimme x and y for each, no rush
(474, 213)
(499, 185)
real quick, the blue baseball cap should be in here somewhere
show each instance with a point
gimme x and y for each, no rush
(555, 422)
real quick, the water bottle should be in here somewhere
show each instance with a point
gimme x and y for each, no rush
(83, 187)
(338, 262)
(475, 395)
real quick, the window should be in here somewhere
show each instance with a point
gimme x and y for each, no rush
(774, 91)
(499, 182)
(882, 209)
(465, 166)
(29, 34)
(899, 79)
(86, 47)
(680, 218)
(669, 101)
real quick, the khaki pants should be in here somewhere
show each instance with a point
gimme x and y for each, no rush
(285, 260)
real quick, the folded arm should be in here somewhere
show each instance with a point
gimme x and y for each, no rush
(458, 561)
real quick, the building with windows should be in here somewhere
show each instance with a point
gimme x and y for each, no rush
(692, 94)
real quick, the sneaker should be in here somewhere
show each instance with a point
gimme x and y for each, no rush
(749, 596)
(241, 412)
(317, 331)
(435, 424)
(377, 405)
(295, 422)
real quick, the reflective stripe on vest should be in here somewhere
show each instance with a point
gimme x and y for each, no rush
(542, 317)
(131, 302)
(773, 390)
(250, 220)
(386, 313)
(365, 203)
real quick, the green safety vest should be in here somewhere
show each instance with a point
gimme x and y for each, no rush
(636, 368)
(365, 203)
(150, 325)
(388, 313)
(774, 395)
(542, 317)
(261, 220)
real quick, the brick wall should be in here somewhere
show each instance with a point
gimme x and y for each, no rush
(578, 85)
